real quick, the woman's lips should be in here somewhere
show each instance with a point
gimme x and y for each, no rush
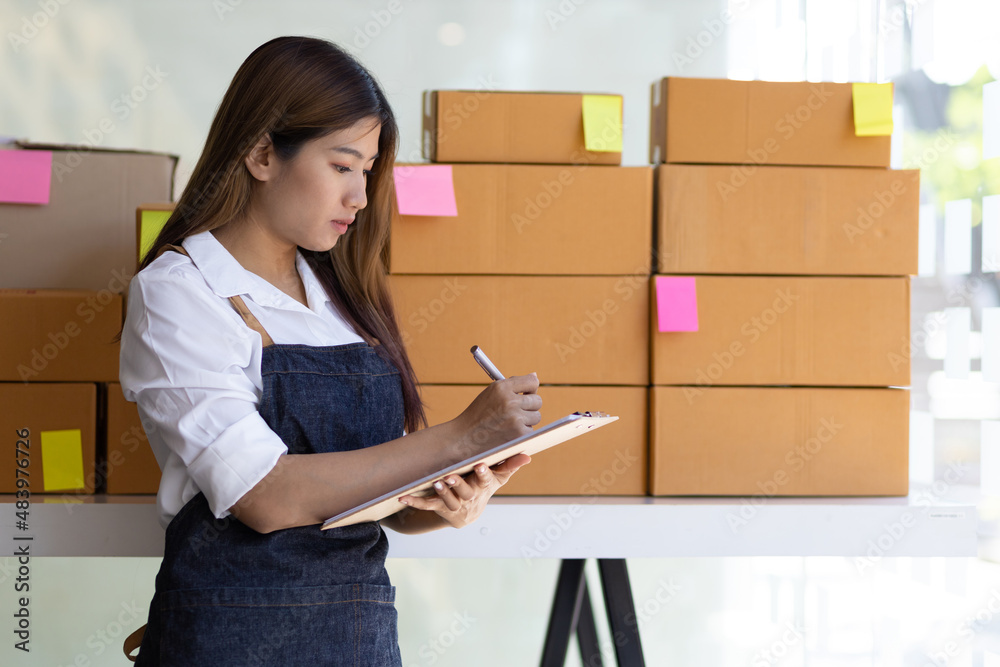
(341, 225)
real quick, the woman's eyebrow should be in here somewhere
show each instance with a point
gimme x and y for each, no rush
(351, 151)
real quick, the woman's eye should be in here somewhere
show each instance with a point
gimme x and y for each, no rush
(342, 169)
(367, 172)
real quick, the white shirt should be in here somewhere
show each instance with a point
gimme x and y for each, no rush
(192, 365)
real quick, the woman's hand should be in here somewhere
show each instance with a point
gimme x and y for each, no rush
(503, 411)
(460, 500)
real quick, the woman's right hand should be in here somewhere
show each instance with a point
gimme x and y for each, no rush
(504, 410)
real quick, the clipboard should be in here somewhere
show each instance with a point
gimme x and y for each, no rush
(550, 435)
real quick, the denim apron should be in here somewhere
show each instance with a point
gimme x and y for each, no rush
(228, 595)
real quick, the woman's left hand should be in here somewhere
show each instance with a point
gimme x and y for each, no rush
(460, 500)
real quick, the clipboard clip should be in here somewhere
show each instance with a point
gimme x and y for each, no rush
(588, 413)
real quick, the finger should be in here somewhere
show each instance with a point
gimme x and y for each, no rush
(429, 503)
(503, 471)
(483, 477)
(523, 384)
(532, 417)
(460, 487)
(444, 492)
(531, 402)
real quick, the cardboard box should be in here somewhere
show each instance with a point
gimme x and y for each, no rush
(84, 238)
(772, 441)
(568, 329)
(60, 417)
(718, 121)
(612, 461)
(59, 335)
(787, 220)
(131, 466)
(806, 331)
(492, 126)
(534, 219)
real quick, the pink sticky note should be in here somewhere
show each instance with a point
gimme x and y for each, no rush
(425, 190)
(676, 304)
(25, 176)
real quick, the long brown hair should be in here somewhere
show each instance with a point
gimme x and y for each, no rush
(297, 89)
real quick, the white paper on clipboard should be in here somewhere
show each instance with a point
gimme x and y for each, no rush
(547, 436)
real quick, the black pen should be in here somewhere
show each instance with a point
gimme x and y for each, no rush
(487, 365)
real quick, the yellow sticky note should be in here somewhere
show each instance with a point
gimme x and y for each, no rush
(602, 123)
(149, 228)
(872, 109)
(62, 460)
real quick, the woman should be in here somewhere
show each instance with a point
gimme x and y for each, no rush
(262, 349)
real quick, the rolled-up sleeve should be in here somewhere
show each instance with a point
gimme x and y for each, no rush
(186, 362)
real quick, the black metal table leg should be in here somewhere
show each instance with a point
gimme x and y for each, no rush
(621, 612)
(586, 632)
(565, 612)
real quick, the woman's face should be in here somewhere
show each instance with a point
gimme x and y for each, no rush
(311, 200)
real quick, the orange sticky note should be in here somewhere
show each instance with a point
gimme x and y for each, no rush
(872, 109)
(676, 303)
(62, 460)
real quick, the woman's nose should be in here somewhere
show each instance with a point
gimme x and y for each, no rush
(356, 196)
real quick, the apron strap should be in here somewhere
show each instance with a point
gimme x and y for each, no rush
(236, 301)
(132, 642)
(250, 320)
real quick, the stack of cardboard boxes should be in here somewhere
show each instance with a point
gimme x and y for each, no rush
(780, 318)
(67, 253)
(766, 357)
(545, 266)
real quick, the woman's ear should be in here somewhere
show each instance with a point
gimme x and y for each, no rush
(261, 160)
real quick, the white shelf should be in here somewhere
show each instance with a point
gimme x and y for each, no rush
(585, 527)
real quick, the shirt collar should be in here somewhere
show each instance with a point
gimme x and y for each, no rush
(227, 277)
(315, 292)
